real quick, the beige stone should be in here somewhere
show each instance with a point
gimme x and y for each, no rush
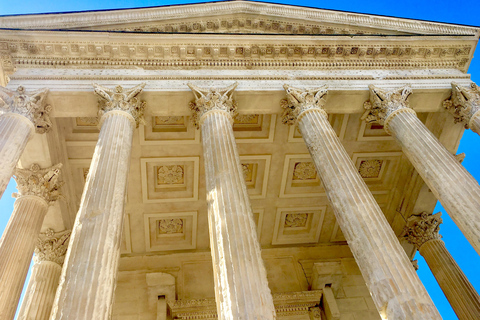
(451, 184)
(394, 286)
(37, 189)
(422, 231)
(165, 229)
(87, 282)
(241, 288)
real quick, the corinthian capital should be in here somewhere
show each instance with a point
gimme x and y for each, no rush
(52, 246)
(422, 228)
(383, 104)
(464, 103)
(212, 99)
(30, 105)
(39, 182)
(121, 100)
(301, 100)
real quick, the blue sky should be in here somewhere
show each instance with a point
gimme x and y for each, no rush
(464, 12)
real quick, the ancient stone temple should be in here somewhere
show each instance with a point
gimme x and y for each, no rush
(234, 160)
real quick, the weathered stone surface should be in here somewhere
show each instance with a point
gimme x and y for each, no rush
(464, 105)
(87, 282)
(456, 189)
(49, 254)
(241, 287)
(393, 284)
(422, 231)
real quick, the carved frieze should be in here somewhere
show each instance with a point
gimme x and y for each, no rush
(422, 228)
(30, 105)
(121, 100)
(384, 103)
(286, 304)
(207, 100)
(243, 55)
(39, 182)
(464, 103)
(86, 121)
(245, 25)
(52, 246)
(301, 100)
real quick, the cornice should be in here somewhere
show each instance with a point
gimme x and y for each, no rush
(240, 52)
(85, 19)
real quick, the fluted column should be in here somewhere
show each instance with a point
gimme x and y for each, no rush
(48, 260)
(21, 115)
(422, 231)
(37, 189)
(456, 189)
(464, 105)
(88, 279)
(241, 288)
(395, 287)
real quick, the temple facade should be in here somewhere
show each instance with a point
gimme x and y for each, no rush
(234, 160)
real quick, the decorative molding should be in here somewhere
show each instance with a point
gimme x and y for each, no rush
(304, 171)
(212, 99)
(244, 54)
(296, 220)
(383, 104)
(370, 168)
(30, 105)
(464, 103)
(121, 100)
(52, 246)
(247, 24)
(166, 13)
(39, 182)
(301, 100)
(170, 226)
(422, 228)
(286, 304)
(173, 174)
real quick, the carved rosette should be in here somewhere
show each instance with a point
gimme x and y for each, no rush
(300, 100)
(207, 100)
(464, 103)
(52, 246)
(121, 99)
(30, 105)
(422, 228)
(383, 104)
(38, 182)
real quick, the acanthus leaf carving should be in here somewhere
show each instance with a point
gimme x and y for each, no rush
(422, 228)
(52, 246)
(383, 104)
(30, 105)
(464, 103)
(212, 99)
(122, 100)
(300, 100)
(39, 182)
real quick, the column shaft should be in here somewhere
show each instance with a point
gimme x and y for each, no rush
(38, 300)
(393, 283)
(16, 249)
(241, 287)
(460, 293)
(456, 189)
(15, 131)
(88, 278)
(475, 123)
